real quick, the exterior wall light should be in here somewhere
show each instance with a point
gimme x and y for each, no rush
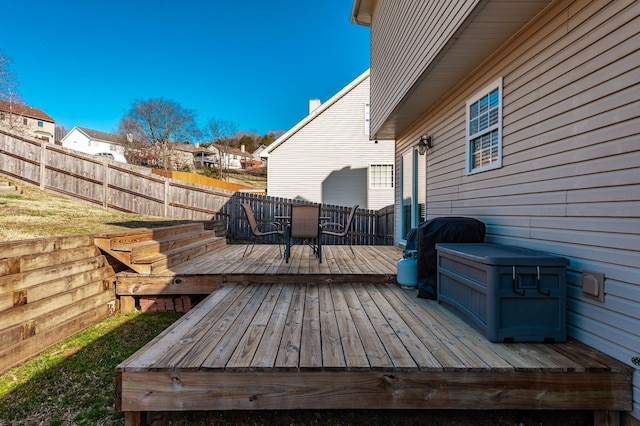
(423, 144)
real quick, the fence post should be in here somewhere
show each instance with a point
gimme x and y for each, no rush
(105, 184)
(166, 197)
(43, 158)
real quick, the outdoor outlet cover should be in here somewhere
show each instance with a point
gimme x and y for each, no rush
(593, 285)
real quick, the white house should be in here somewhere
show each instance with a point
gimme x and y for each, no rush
(27, 120)
(224, 157)
(533, 112)
(328, 157)
(96, 143)
(230, 157)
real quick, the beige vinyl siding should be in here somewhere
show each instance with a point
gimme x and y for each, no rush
(421, 32)
(570, 181)
(328, 159)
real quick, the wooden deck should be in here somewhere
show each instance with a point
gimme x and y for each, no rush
(342, 335)
(264, 264)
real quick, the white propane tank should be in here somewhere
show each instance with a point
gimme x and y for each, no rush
(408, 269)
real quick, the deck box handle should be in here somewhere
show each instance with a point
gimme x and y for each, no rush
(548, 292)
(521, 290)
(514, 281)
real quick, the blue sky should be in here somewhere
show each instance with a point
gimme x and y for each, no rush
(255, 63)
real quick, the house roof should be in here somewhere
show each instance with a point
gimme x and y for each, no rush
(361, 12)
(231, 150)
(25, 111)
(258, 151)
(316, 112)
(187, 147)
(101, 136)
(488, 25)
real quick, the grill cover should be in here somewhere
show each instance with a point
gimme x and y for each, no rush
(440, 230)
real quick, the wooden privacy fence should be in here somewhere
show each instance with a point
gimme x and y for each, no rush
(106, 183)
(136, 189)
(370, 227)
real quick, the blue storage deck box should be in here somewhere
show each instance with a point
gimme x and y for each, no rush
(509, 293)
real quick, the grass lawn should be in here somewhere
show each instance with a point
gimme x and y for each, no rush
(73, 382)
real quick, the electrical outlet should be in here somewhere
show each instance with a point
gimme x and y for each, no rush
(593, 285)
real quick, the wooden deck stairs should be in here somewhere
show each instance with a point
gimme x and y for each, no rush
(151, 251)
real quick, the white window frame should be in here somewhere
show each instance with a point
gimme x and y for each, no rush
(496, 127)
(372, 167)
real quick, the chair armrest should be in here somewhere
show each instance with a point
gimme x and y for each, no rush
(276, 224)
(337, 225)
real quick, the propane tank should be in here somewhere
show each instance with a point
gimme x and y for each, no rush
(408, 269)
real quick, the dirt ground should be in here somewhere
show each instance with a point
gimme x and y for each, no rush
(377, 417)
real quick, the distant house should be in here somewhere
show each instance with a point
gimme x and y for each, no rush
(185, 156)
(533, 113)
(27, 120)
(218, 156)
(257, 154)
(328, 157)
(233, 158)
(96, 143)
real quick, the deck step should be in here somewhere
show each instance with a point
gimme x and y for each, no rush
(153, 250)
(126, 240)
(163, 261)
(219, 226)
(150, 248)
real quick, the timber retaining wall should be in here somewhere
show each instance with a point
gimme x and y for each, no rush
(50, 289)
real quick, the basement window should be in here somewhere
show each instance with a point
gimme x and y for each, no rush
(484, 129)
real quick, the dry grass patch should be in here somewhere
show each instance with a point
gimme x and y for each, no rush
(36, 213)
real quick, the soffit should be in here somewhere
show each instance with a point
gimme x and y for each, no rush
(490, 25)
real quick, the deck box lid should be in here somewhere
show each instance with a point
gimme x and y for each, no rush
(498, 254)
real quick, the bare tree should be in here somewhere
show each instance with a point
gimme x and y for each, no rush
(222, 133)
(219, 130)
(156, 125)
(60, 132)
(10, 97)
(8, 81)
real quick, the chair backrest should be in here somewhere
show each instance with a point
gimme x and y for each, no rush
(352, 214)
(250, 217)
(347, 226)
(305, 220)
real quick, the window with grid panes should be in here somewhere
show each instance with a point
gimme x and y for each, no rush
(380, 176)
(484, 129)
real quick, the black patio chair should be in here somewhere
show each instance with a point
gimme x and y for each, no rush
(256, 232)
(304, 226)
(340, 230)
